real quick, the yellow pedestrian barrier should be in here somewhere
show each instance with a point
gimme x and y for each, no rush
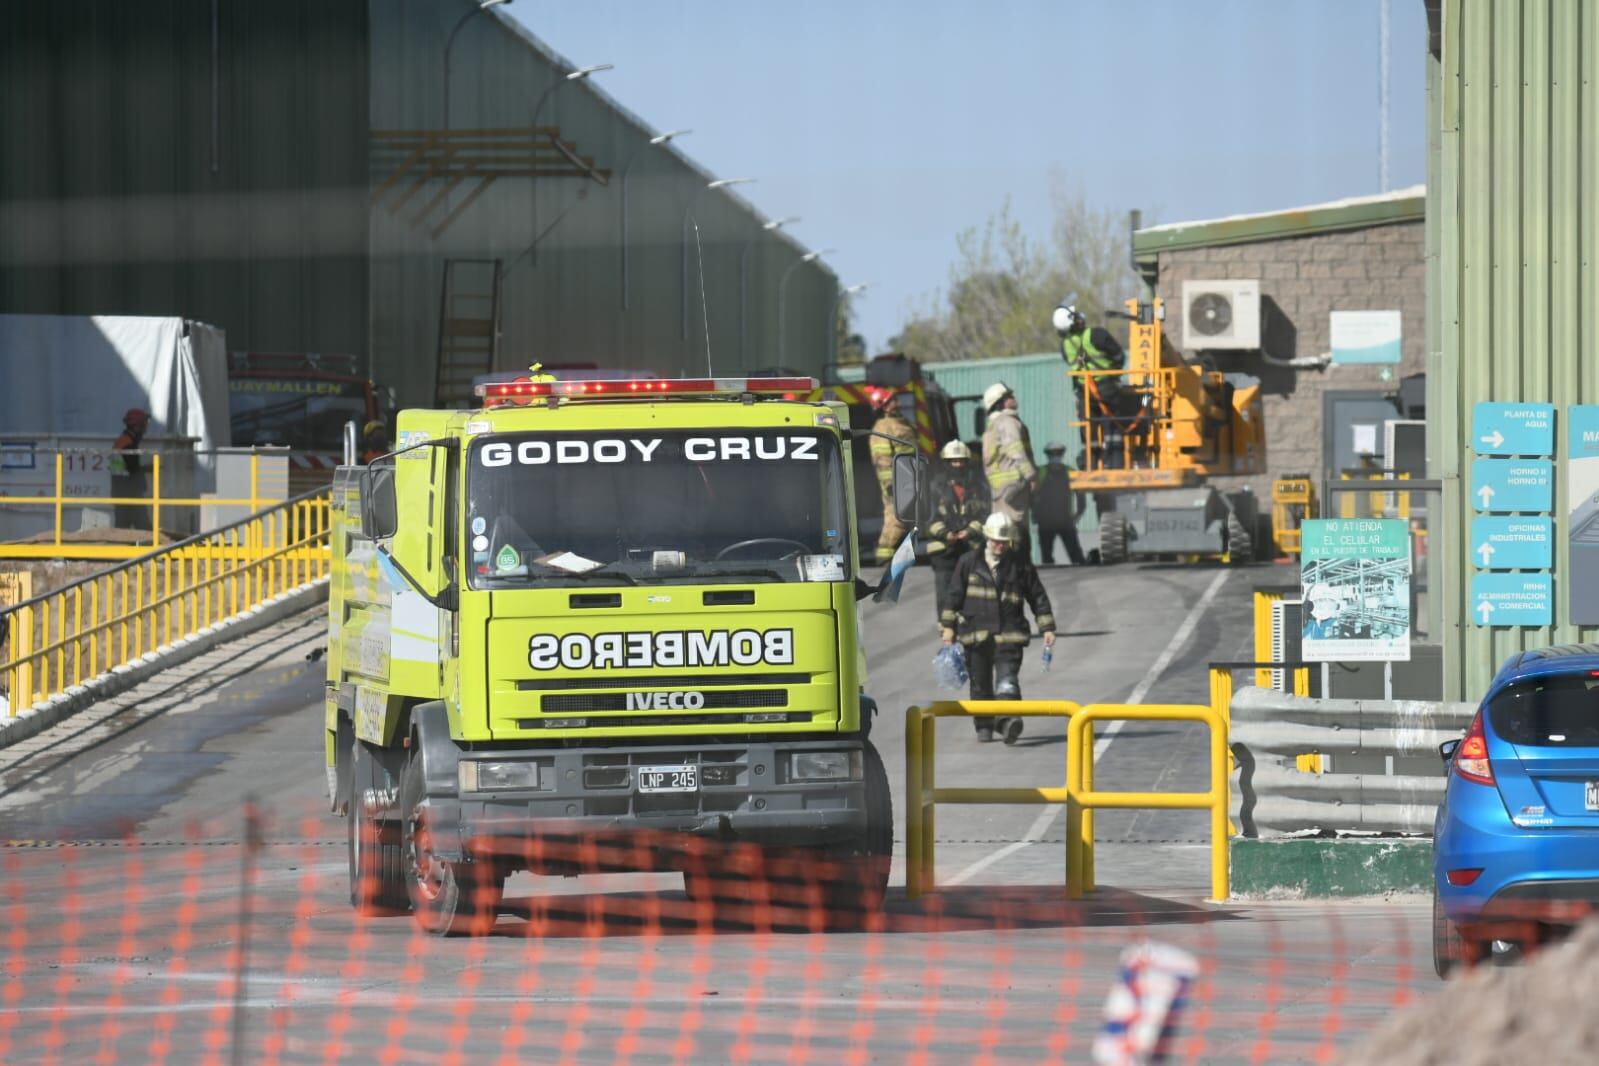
(922, 792)
(1082, 799)
(1079, 795)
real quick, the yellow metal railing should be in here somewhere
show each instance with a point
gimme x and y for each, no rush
(1078, 794)
(1082, 799)
(922, 791)
(149, 506)
(85, 629)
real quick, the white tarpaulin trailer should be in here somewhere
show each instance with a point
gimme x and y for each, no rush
(78, 375)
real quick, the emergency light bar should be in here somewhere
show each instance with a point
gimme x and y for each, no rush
(500, 393)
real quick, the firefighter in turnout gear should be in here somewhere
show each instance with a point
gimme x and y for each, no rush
(890, 424)
(986, 614)
(960, 502)
(1008, 460)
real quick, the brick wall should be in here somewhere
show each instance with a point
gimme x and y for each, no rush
(1376, 269)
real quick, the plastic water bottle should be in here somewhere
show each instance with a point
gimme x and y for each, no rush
(1049, 656)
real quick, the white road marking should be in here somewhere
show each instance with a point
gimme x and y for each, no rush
(1047, 816)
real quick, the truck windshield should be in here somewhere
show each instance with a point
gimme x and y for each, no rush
(656, 507)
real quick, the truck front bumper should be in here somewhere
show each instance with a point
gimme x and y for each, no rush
(746, 793)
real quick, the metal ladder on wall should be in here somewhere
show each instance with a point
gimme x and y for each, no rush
(469, 328)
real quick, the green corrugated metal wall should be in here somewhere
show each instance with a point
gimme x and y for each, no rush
(116, 198)
(1514, 190)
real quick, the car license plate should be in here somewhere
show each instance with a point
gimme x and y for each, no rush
(668, 778)
(1590, 795)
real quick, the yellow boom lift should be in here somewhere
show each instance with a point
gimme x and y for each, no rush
(1154, 434)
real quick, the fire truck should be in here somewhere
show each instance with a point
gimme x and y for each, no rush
(601, 610)
(300, 401)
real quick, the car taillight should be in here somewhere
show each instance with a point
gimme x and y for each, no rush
(1471, 758)
(1463, 876)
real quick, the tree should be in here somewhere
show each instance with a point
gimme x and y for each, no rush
(1005, 282)
(851, 346)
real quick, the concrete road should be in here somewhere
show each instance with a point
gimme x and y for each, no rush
(125, 903)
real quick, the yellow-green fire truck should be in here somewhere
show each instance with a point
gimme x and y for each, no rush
(593, 608)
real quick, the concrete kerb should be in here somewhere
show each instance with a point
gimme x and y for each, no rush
(42, 716)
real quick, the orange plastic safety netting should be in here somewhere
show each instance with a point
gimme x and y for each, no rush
(232, 950)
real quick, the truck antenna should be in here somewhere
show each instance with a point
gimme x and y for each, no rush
(699, 253)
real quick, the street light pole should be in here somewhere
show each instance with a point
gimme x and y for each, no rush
(744, 282)
(719, 183)
(832, 318)
(659, 138)
(450, 44)
(782, 300)
(533, 182)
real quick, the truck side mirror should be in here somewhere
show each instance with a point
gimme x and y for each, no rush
(907, 488)
(979, 420)
(1447, 749)
(379, 513)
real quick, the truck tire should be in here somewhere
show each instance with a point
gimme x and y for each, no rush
(377, 881)
(447, 898)
(1113, 537)
(862, 881)
(1240, 544)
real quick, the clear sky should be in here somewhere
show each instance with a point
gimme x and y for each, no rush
(891, 125)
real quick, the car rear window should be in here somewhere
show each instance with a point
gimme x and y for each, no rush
(1558, 712)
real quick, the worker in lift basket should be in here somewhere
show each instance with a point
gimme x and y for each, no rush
(986, 614)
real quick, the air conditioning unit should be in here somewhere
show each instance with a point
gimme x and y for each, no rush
(1221, 314)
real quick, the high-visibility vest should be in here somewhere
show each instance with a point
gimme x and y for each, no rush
(1078, 348)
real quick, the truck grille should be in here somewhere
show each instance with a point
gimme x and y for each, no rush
(643, 681)
(617, 701)
(610, 721)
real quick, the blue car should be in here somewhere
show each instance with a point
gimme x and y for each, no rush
(1516, 841)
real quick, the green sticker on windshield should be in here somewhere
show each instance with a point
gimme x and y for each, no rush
(507, 559)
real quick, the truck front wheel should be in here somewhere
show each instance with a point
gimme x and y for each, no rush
(862, 880)
(447, 897)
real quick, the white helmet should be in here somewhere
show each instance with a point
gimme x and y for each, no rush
(956, 450)
(994, 395)
(1065, 318)
(999, 527)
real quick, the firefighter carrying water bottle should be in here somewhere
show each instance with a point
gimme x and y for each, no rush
(986, 614)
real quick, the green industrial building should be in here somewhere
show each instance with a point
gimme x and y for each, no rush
(301, 174)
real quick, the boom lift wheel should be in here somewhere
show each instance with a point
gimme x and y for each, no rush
(1114, 533)
(377, 882)
(447, 897)
(1240, 543)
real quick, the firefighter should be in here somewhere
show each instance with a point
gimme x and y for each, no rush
(1008, 459)
(1056, 508)
(889, 424)
(127, 471)
(960, 502)
(986, 615)
(374, 441)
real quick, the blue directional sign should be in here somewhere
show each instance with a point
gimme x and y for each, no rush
(1512, 484)
(1512, 600)
(1513, 543)
(1513, 428)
